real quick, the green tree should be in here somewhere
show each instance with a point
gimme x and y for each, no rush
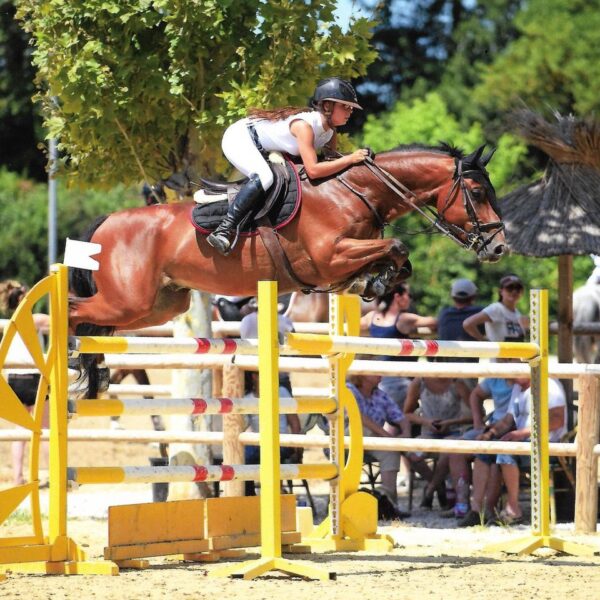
(428, 121)
(143, 88)
(24, 231)
(554, 62)
(20, 121)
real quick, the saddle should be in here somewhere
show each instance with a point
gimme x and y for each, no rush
(280, 207)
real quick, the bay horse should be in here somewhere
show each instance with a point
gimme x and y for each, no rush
(152, 257)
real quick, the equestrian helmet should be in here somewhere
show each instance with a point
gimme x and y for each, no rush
(335, 90)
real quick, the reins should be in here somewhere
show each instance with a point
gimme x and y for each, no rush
(472, 239)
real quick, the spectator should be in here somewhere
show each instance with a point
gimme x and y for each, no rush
(486, 475)
(392, 319)
(440, 400)
(287, 423)
(451, 318)
(249, 330)
(502, 319)
(515, 427)
(24, 382)
(381, 417)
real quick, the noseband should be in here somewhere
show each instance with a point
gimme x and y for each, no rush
(470, 240)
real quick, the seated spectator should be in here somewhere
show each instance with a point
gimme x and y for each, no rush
(515, 427)
(440, 400)
(486, 474)
(287, 424)
(381, 417)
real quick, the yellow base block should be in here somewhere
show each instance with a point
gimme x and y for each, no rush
(529, 544)
(65, 568)
(296, 549)
(134, 563)
(380, 544)
(255, 568)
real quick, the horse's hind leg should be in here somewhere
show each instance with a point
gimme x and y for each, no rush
(169, 303)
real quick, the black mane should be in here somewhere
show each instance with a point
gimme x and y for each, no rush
(442, 148)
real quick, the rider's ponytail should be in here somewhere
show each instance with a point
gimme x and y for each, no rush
(276, 114)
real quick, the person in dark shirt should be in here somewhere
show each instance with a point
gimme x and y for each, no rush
(450, 318)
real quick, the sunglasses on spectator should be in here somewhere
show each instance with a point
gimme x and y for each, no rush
(513, 287)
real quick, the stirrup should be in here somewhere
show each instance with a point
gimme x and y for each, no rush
(219, 240)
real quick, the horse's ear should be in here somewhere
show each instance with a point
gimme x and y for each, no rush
(486, 159)
(473, 158)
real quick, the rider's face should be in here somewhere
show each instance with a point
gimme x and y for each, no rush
(341, 113)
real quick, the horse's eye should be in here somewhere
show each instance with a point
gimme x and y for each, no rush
(478, 193)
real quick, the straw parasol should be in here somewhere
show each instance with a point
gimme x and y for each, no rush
(558, 215)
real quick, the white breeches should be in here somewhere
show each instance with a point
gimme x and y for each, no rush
(241, 152)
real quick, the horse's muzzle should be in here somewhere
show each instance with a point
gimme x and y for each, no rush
(492, 252)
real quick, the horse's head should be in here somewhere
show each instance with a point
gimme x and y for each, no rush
(467, 208)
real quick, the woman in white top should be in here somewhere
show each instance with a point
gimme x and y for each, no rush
(502, 319)
(296, 131)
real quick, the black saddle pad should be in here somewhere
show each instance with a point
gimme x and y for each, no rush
(206, 217)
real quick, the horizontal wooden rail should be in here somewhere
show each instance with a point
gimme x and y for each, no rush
(301, 441)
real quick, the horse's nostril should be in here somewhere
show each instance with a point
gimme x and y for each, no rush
(499, 250)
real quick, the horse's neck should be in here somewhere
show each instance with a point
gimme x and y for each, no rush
(422, 172)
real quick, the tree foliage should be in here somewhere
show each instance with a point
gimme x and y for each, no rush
(428, 121)
(20, 121)
(24, 231)
(553, 64)
(143, 88)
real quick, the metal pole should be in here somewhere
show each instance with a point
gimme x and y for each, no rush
(52, 201)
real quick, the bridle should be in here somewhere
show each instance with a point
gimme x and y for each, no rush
(470, 240)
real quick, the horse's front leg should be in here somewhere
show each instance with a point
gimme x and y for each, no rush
(352, 255)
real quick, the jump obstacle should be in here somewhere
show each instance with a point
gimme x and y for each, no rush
(352, 521)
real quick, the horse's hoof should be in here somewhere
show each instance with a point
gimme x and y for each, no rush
(358, 286)
(378, 287)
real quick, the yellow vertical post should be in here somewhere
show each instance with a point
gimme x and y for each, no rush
(352, 521)
(57, 526)
(540, 460)
(540, 453)
(270, 468)
(61, 555)
(268, 410)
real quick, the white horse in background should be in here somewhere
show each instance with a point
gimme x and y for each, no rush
(586, 309)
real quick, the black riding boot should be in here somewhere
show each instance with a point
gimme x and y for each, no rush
(221, 238)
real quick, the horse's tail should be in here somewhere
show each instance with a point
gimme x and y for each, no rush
(82, 285)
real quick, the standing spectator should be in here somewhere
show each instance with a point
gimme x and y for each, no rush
(377, 410)
(24, 382)
(502, 319)
(392, 319)
(451, 318)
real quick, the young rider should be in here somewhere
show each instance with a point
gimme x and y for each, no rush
(296, 131)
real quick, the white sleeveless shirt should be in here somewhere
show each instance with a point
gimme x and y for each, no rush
(276, 135)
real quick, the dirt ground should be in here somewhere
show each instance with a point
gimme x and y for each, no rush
(431, 558)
